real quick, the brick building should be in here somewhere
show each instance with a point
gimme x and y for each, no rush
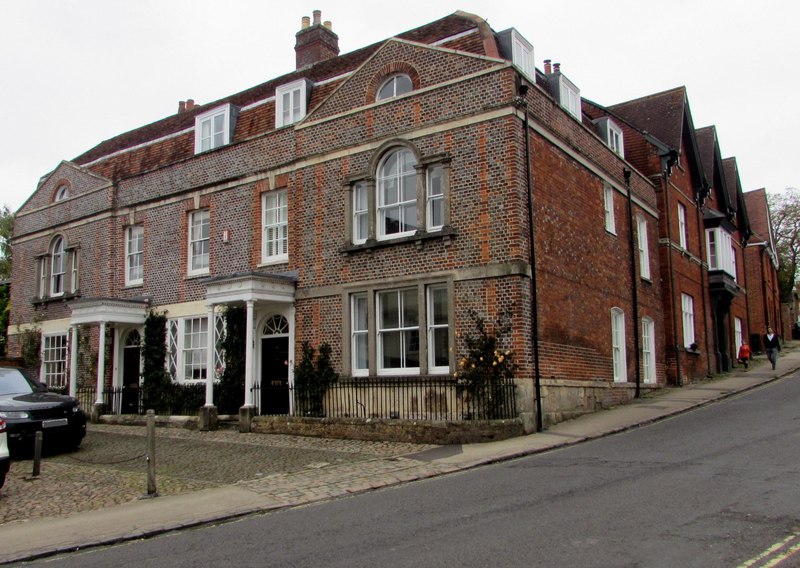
(761, 258)
(374, 201)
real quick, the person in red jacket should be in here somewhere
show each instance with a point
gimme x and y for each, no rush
(744, 355)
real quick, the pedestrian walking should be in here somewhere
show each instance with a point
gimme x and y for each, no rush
(744, 355)
(772, 345)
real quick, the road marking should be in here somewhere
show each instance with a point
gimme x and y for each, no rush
(775, 554)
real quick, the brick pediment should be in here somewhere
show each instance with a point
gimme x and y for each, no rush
(426, 65)
(68, 177)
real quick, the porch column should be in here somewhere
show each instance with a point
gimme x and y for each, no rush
(73, 360)
(248, 357)
(101, 363)
(210, 368)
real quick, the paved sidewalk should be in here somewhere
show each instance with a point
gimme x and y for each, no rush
(38, 537)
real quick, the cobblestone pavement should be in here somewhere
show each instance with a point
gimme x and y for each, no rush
(110, 468)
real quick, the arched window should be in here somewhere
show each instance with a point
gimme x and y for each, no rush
(397, 194)
(57, 262)
(276, 325)
(61, 193)
(395, 86)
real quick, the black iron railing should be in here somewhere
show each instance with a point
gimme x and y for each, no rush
(407, 398)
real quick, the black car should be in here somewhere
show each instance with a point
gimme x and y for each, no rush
(27, 407)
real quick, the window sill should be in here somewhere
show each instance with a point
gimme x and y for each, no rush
(55, 299)
(134, 285)
(197, 276)
(444, 234)
(273, 262)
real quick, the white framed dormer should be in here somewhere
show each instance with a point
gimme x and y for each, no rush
(214, 128)
(611, 133)
(518, 50)
(569, 97)
(291, 101)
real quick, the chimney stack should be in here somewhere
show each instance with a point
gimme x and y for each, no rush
(315, 41)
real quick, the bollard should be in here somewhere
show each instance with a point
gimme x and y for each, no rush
(151, 454)
(37, 454)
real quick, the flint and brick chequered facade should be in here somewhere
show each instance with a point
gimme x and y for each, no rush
(379, 225)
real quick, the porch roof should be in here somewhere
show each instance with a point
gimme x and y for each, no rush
(251, 286)
(109, 310)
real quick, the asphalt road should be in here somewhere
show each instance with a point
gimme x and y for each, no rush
(714, 487)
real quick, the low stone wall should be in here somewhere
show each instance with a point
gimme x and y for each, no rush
(376, 429)
(370, 429)
(564, 400)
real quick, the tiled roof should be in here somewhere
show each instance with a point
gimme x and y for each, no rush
(660, 114)
(758, 212)
(448, 26)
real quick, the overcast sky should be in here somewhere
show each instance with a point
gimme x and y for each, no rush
(75, 73)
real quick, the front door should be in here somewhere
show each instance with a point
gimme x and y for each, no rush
(130, 373)
(275, 375)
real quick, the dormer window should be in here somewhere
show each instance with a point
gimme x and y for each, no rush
(214, 128)
(518, 50)
(61, 193)
(570, 98)
(291, 101)
(611, 133)
(395, 86)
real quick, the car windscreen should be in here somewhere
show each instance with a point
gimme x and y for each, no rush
(12, 381)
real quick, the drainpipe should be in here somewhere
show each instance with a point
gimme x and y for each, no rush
(670, 159)
(704, 286)
(537, 379)
(634, 282)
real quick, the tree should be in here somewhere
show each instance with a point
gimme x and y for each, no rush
(785, 216)
(6, 230)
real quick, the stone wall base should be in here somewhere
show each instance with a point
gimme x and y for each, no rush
(376, 429)
(564, 400)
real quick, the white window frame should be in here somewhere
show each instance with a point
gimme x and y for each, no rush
(192, 355)
(522, 54)
(619, 358)
(570, 97)
(61, 193)
(721, 251)
(134, 258)
(436, 326)
(434, 197)
(738, 334)
(291, 103)
(403, 329)
(58, 259)
(648, 351)
(275, 226)
(219, 132)
(644, 251)
(682, 231)
(608, 209)
(615, 139)
(359, 334)
(687, 317)
(360, 212)
(201, 240)
(393, 81)
(400, 205)
(74, 273)
(54, 359)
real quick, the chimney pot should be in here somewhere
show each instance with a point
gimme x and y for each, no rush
(317, 17)
(189, 104)
(181, 106)
(556, 67)
(328, 24)
(547, 67)
(305, 22)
